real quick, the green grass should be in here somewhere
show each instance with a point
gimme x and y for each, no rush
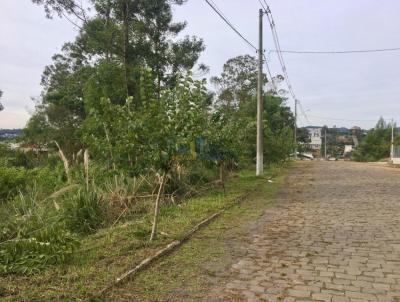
(111, 251)
(187, 273)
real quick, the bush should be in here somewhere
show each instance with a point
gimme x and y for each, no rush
(33, 237)
(11, 180)
(47, 179)
(30, 254)
(85, 212)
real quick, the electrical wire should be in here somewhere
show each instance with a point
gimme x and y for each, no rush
(275, 89)
(339, 119)
(336, 51)
(279, 52)
(214, 7)
(277, 46)
(275, 36)
(266, 9)
(303, 112)
(225, 19)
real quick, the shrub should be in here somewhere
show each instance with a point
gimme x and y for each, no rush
(47, 179)
(12, 179)
(33, 237)
(30, 254)
(85, 212)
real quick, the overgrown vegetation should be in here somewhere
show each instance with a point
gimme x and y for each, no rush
(121, 124)
(106, 254)
(375, 145)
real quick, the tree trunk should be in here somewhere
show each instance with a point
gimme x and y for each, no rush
(110, 42)
(126, 44)
(157, 207)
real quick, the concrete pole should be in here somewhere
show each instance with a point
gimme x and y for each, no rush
(392, 143)
(260, 107)
(325, 144)
(295, 129)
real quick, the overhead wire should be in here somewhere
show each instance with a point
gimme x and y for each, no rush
(218, 11)
(275, 89)
(275, 36)
(303, 112)
(225, 19)
(279, 52)
(277, 44)
(339, 119)
(336, 51)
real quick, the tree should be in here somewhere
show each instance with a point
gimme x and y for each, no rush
(1, 106)
(152, 137)
(63, 8)
(303, 137)
(237, 83)
(236, 99)
(113, 46)
(376, 144)
(222, 145)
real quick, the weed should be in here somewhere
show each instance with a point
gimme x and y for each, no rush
(85, 212)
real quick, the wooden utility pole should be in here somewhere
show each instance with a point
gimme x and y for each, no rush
(295, 129)
(260, 107)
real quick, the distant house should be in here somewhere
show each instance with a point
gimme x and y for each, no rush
(315, 134)
(348, 149)
(28, 148)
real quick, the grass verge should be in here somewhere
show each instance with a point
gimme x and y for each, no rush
(108, 253)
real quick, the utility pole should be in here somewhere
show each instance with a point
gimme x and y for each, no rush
(325, 143)
(295, 129)
(260, 107)
(392, 143)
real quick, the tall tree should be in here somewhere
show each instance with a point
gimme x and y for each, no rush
(376, 144)
(237, 83)
(63, 8)
(236, 99)
(114, 45)
(1, 105)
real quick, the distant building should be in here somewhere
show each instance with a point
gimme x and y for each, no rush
(348, 149)
(315, 134)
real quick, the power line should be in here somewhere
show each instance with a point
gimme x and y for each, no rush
(277, 46)
(267, 9)
(336, 51)
(303, 112)
(339, 119)
(262, 5)
(275, 89)
(214, 7)
(280, 56)
(225, 19)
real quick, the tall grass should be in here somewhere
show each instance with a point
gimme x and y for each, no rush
(33, 237)
(39, 231)
(85, 212)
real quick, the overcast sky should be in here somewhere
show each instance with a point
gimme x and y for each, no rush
(342, 90)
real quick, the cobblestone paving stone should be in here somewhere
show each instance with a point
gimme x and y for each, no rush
(333, 235)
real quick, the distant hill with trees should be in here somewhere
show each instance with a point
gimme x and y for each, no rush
(9, 133)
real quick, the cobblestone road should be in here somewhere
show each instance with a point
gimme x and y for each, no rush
(333, 235)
